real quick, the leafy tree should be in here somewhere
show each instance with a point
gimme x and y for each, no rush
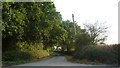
(34, 21)
(31, 21)
(83, 39)
(52, 32)
(69, 43)
(57, 35)
(13, 23)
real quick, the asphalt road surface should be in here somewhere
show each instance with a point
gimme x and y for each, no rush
(60, 62)
(56, 61)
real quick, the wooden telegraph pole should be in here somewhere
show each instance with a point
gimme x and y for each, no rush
(74, 26)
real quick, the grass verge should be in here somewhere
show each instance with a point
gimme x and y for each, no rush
(83, 61)
(10, 63)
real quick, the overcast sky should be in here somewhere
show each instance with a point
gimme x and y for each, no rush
(89, 11)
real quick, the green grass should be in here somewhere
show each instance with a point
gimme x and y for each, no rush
(9, 63)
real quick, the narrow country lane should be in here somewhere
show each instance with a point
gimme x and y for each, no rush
(55, 61)
(58, 62)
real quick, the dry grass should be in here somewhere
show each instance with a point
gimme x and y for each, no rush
(83, 61)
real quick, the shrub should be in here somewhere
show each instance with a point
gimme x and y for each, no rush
(25, 51)
(15, 56)
(24, 55)
(31, 46)
(104, 54)
(37, 54)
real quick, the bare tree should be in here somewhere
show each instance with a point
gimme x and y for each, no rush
(97, 32)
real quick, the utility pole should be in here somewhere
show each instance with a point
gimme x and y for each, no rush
(74, 23)
(74, 27)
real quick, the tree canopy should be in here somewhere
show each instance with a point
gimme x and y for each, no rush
(31, 21)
